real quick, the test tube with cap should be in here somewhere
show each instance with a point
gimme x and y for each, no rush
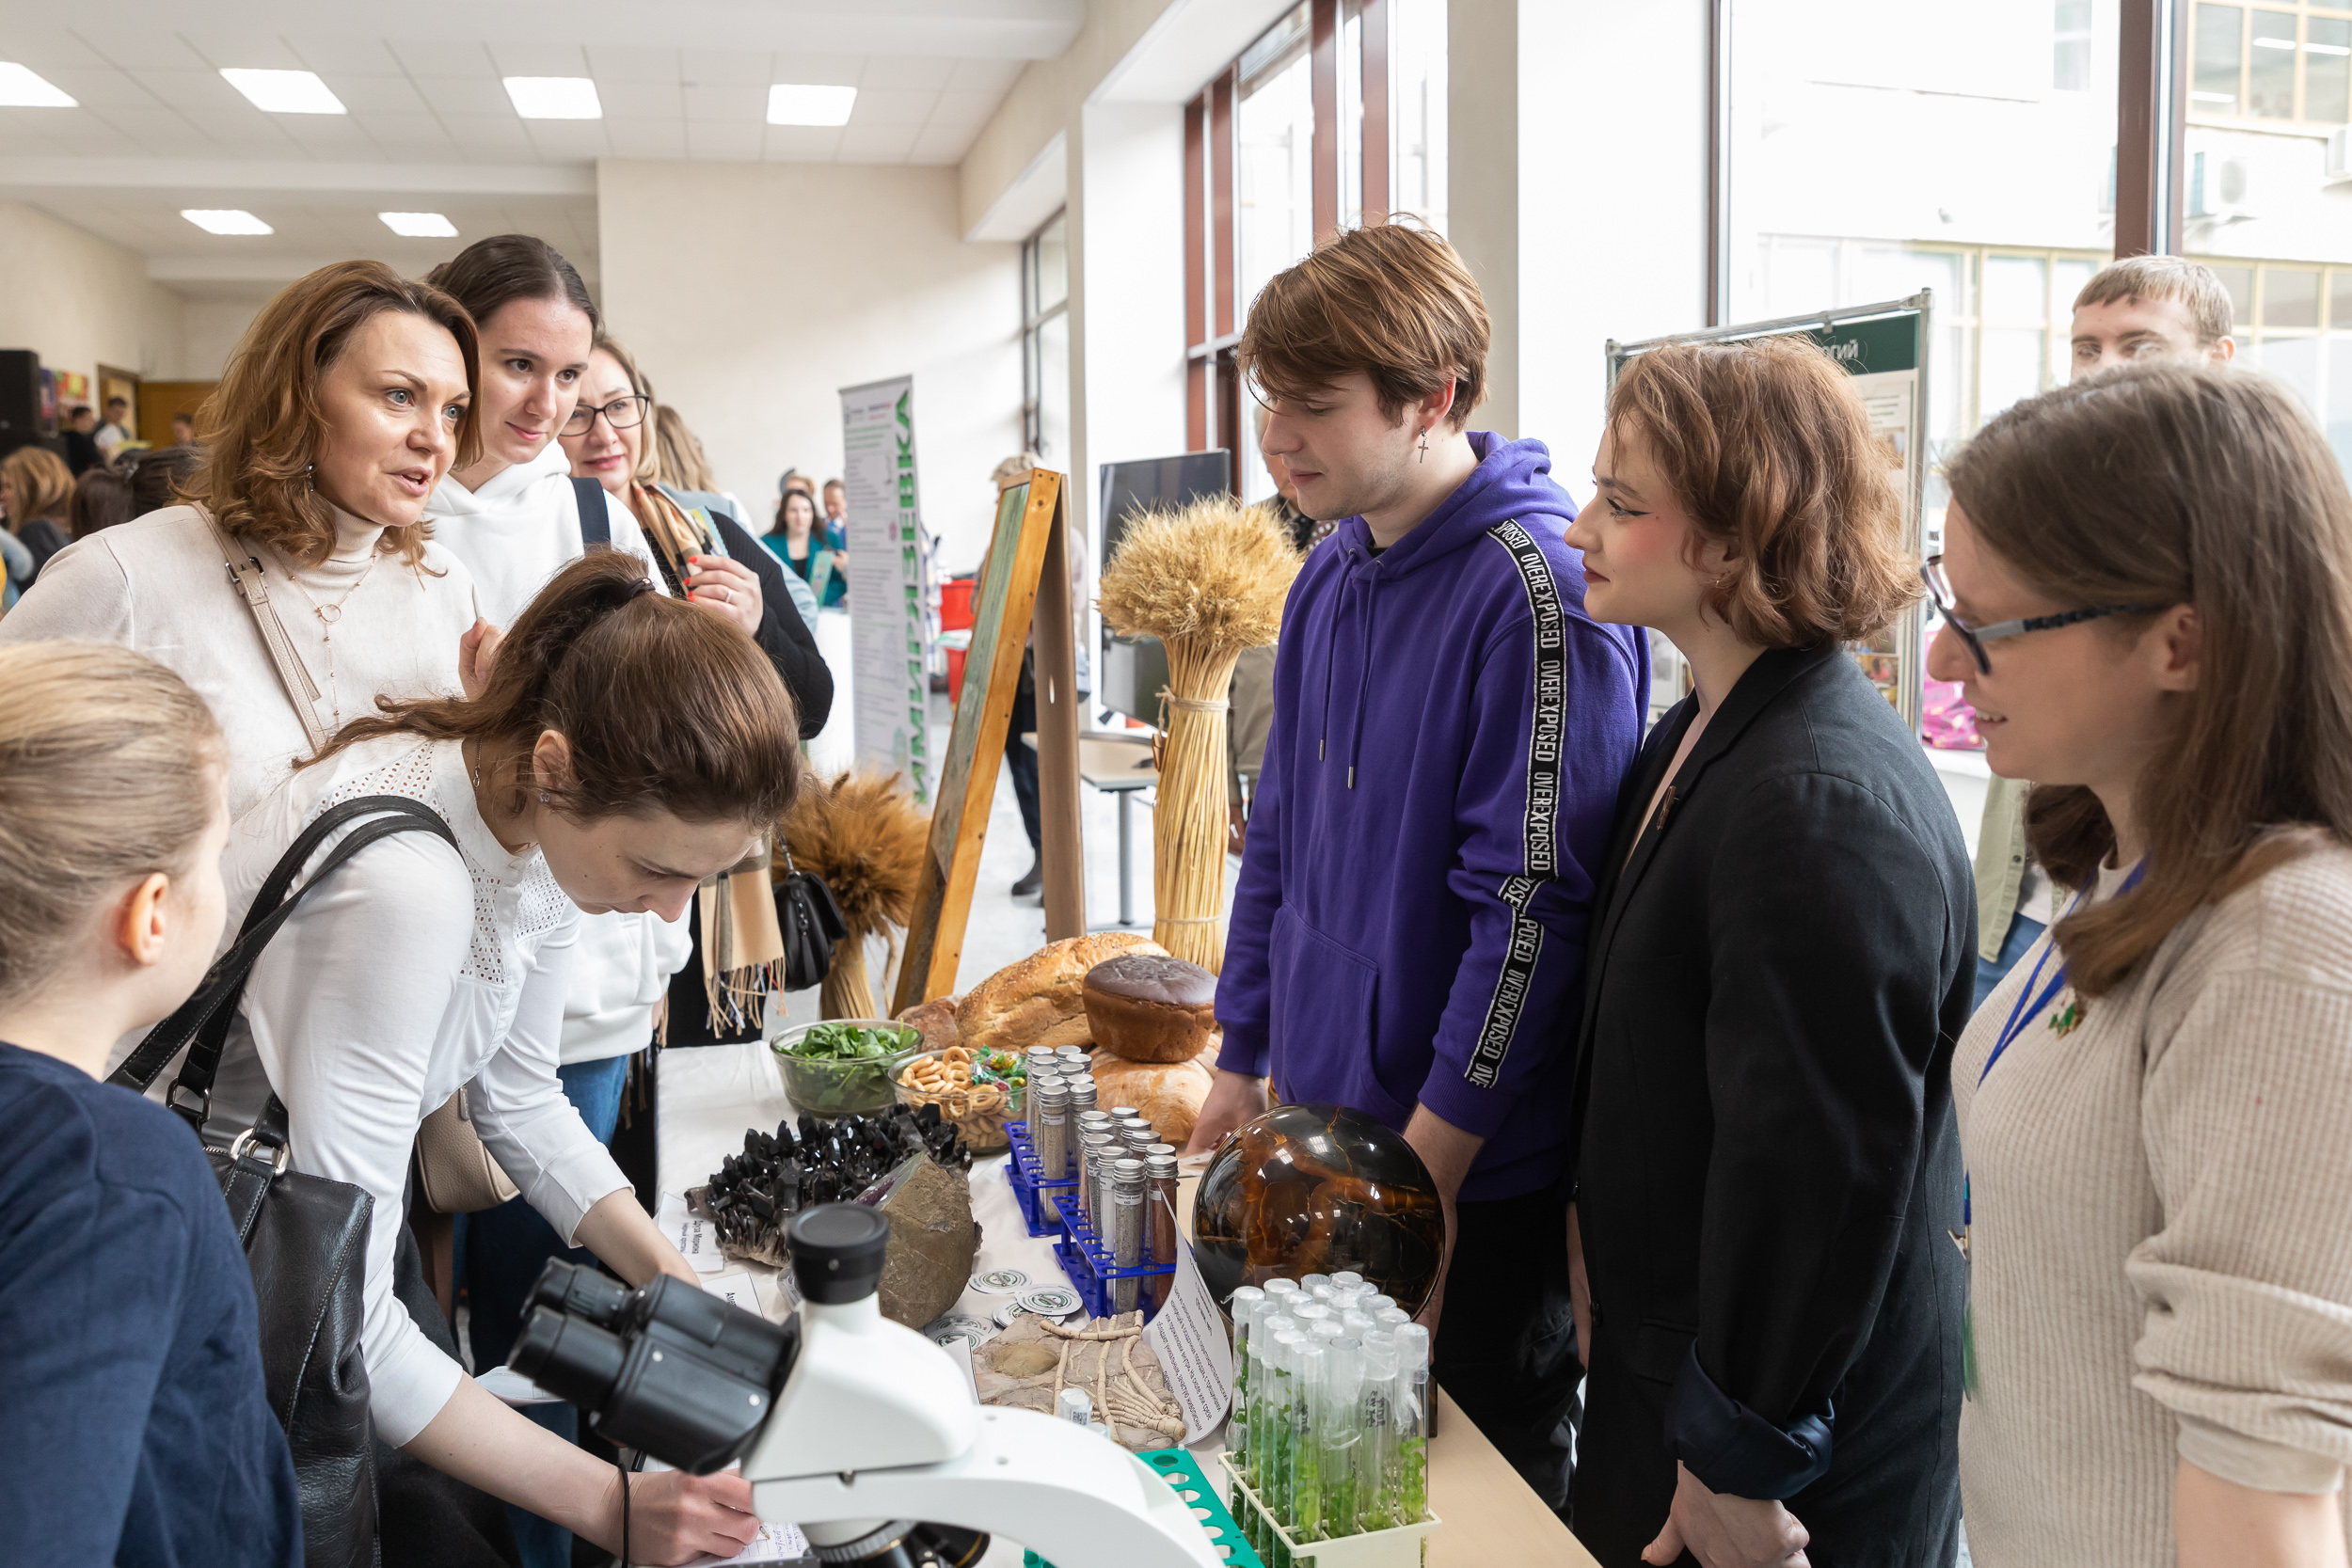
(1275, 1328)
(1379, 1483)
(1309, 1281)
(1341, 1434)
(1121, 1113)
(1306, 1520)
(1415, 1420)
(1348, 1277)
(1126, 1229)
(1245, 1305)
(1393, 1317)
(1372, 1307)
(1282, 1287)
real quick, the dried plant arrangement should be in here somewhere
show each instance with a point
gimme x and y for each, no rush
(864, 838)
(1208, 582)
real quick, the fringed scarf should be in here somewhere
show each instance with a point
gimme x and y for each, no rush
(743, 942)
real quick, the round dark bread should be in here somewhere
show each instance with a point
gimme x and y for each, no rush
(1151, 1007)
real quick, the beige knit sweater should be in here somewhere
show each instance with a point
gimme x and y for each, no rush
(2162, 1239)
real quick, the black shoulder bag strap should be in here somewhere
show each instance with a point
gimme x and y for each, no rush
(201, 1022)
(595, 524)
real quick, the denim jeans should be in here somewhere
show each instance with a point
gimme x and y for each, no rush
(500, 1253)
(2023, 934)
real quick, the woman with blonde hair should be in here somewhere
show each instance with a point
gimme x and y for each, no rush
(297, 584)
(138, 1426)
(1782, 955)
(2146, 593)
(37, 493)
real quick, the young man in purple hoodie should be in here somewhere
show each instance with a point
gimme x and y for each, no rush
(1449, 735)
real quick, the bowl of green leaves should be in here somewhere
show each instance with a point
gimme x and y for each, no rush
(845, 1066)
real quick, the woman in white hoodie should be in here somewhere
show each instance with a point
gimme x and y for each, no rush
(516, 518)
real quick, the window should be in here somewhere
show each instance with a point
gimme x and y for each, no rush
(2070, 47)
(2294, 320)
(2282, 61)
(1045, 340)
(1333, 117)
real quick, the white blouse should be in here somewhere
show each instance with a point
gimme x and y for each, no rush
(415, 971)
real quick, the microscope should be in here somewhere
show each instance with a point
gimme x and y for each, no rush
(857, 1429)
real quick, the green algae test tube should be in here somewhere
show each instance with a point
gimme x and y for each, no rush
(1307, 1498)
(1414, 1391)
(1341, 1419)
(1243, 1307)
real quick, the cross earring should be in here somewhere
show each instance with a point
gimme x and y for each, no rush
(1425, 446)
(543, 797)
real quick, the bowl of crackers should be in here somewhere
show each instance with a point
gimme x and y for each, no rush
(979, 1091)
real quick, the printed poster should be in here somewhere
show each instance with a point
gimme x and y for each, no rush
(890, 653)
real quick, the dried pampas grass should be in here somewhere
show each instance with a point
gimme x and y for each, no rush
(1208, 582)
(864, 838)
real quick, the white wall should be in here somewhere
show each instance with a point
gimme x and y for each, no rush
(80, 300)
(211, 331)
(750, 293)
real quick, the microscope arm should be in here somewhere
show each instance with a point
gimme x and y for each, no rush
(1069, 1495)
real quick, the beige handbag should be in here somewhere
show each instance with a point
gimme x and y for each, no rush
(456, 1173)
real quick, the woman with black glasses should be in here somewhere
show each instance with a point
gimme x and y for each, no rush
(2147, 598)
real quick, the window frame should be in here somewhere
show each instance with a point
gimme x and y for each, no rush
(1034, 318)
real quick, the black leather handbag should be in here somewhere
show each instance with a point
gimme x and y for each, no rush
(811, 923)
(305, 1237)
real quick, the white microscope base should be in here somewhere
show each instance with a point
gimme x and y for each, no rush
(1072, 1497)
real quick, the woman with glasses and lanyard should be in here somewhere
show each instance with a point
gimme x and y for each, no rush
(1781, 957)
(2147, 596)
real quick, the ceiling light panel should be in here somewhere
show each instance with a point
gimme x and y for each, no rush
(22, 88)
(795, 103)
(420, 225)
(555, 97)
(226, 220)
(285, 92)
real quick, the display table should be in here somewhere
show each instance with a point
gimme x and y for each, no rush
(709, 1097)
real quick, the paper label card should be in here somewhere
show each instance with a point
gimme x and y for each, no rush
(695, 1236)
(1189, 1337)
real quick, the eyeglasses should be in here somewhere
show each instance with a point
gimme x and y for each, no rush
(1940, 591)
(621, 414)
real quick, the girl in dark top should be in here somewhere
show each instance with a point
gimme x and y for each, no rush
(1764, 1162)
(37, 491)
(138, 1427)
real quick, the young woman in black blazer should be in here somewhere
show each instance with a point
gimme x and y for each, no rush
(1765, 1166)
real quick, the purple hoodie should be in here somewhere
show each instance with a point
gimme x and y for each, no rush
(1449, 730)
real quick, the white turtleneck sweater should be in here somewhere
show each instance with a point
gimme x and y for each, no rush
(513, 533)
(158, 584)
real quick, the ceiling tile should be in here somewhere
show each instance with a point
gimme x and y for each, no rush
(800, 144)
(335, 136)
(44, 47)
(876, 144)
(98, 87)
(611, 63)
(443, 59)
(740, 66)
(734, 103)
(987, 75)
(139, 49)
(963, 107)
(879, 107)
(246, 51)
(943, 144)
(195, 89)
(367, 95)
(409, 136)
(488, 136)
(539, 59)
(706, 139)
(239, 123)
(566, 140)
(345, 56)
(634, 137)
(640, 100)
(466, 95)
(823, 71)
(41, 130)
(905, 73)
(162, 133)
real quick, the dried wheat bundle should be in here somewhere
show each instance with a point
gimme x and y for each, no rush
(1208, 582)
(864, 838)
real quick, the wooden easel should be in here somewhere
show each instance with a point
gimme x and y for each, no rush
(1026, 582)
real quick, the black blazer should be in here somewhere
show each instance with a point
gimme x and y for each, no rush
(1764, 1154)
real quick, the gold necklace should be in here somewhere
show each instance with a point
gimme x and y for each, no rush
(329, 614)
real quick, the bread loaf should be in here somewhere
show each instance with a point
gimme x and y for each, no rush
(1042, 1000)
(1151, 1009)
(935, 1020)
(1165, 1094)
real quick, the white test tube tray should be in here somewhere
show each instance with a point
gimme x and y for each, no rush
(1401, 1548)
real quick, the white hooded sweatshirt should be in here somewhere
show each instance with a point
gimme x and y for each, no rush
(513, 534)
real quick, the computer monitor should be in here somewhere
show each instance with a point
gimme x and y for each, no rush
(1134, 672)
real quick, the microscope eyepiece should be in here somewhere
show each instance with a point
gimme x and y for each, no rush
(837, 1252)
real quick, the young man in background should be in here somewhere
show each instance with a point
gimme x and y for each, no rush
(116, 429)
(2140, 309)
(1438, 781)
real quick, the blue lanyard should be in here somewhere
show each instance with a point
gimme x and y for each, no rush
(2029, 1006)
